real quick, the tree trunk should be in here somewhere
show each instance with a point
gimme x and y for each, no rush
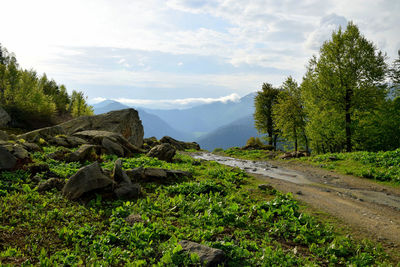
(275, 138)
(295, 138)
(348, 120)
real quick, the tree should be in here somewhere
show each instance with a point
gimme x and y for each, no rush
(263, 102)
(345, 82)
(288, 114)
(78, 106)
(394, 74)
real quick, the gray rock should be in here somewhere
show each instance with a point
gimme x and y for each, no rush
(118, 174)
(112, 147)
(19, 152)
(7, 160)
(208, 256)
(97, 137)
(87, 179)
(125, 122)
(127, 191)
(4, 117)
(163, 152)
(59, 141)
(155, 174)
(59, 154)
(84, 153)
(50, 184)
(179, 145)
(31, 147)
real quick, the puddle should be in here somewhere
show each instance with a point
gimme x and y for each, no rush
(257, 167)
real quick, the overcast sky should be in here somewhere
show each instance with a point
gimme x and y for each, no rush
(159, 53)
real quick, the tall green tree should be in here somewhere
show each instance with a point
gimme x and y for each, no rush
(263, 102)
(394, 74)
(288, 113)
(78, 106)
(343, 83)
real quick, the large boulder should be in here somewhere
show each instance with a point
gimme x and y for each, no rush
(87, 179)
(4, 117)
(156, 175)
(208, 256)
(125, 122)
(179, 145)
(7, 160)
(110, 141)
(163, 152)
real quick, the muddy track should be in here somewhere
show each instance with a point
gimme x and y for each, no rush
(369, 209)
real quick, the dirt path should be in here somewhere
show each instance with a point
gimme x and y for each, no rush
(369, 209)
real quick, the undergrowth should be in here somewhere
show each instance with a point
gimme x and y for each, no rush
(216, 207)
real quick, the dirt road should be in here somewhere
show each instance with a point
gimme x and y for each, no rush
(369, 209)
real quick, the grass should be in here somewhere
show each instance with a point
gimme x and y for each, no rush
(237, 152)
(379, 166)
(220, 207)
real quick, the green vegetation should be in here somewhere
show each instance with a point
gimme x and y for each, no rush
(29, 98)
(344, 102)
(219, 207)
(380, 166)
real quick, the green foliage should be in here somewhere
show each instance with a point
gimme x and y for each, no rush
(215, 208)
(263, 102)
(255, 154)
(288, 113)
(29, 98)
(381, 166)
(340, 87)
(78, 106)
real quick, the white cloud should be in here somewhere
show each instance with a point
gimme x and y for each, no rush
(97, 100)
(176, 103)
(259, 33)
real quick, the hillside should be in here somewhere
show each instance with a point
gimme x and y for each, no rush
(233, 134)
(207, 117)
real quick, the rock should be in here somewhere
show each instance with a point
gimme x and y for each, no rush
(97, 137)
(50, 184)
(44, 133)
(150, 142)
(74, 141)
(208, 256)
(4, 136)
(265, 187)
(179, 145)
(58, 141)
(163, 152)
(59, 154)
(84, 153)
(112, 147)
(19, 152)
(118, 174)
(4, 117)
(294, 154)
(31, 147)
(134, 218)
(35, 168)
(155, 174)
(87, 179)
(7, 160)
(127, 191)
(125, 122)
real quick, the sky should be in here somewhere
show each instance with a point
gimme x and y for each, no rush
(177, 53)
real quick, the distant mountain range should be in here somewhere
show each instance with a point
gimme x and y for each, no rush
(211, 125)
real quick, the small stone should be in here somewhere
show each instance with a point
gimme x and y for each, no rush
(265, 187)
(134, 218)
(299, 193)
(208, 256)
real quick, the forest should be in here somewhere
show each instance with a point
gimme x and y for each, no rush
(33, 100)
(348, 100)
